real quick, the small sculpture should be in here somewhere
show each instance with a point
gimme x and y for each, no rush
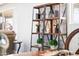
(9, 26)
(57, 29)
(38, 26)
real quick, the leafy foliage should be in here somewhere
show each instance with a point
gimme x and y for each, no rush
(53, 42)
(40, 41)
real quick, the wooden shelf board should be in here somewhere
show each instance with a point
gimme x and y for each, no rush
(50, 33)
(36, 33)
(54, 18)
(36, 46)
(45, 5)
(36, 19)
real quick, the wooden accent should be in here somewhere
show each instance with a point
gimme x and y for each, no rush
(36, 33)
(36, 46)
(77, 52)
(45, 5)
(50, 33)
(69, 38)
(54, 18)
(40, 47)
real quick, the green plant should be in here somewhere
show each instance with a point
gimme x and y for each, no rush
(53, 42)
(40, 41)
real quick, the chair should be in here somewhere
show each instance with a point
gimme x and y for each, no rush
(4, 44)
(69, 38)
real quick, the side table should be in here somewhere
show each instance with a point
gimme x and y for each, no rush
(19, 43)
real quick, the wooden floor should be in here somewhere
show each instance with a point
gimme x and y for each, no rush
(43, 53)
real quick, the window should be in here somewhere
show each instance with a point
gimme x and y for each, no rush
(75, 14)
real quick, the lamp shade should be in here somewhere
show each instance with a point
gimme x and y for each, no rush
(7, 13)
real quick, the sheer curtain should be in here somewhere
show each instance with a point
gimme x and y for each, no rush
(75, 14)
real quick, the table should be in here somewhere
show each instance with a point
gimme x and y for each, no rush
(19, 43)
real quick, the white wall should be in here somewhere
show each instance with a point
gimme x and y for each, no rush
(24, 18)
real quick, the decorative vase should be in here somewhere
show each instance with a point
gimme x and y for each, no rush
(37, 29)
(37, 16)
(57, 28)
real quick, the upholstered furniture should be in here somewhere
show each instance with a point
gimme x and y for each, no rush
(4, 43)
(11, 36)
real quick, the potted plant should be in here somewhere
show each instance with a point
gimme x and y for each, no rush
(40, 41)
(53, 43)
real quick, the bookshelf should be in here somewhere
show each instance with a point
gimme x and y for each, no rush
(48, 20)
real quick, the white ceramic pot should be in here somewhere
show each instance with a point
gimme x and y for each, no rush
(39, 45)
(53, 47)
